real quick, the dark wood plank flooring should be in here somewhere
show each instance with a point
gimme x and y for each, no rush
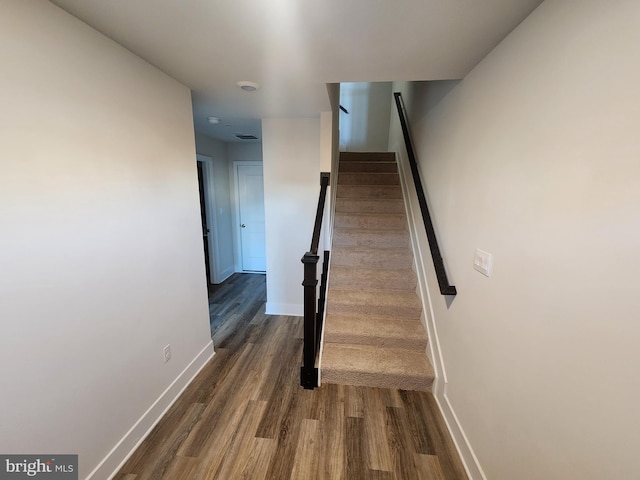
(246, 417)
(233, 304)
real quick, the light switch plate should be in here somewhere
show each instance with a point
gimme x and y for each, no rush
(482, 262)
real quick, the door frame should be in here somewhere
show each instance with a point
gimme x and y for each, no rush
(236, 200)
(204, 217)
(212, 221)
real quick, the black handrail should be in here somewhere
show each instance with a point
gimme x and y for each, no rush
(315, 238)
(314, 312)
(443, 282)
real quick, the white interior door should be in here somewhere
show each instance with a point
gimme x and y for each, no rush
(251, 209)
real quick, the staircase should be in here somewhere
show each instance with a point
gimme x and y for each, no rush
(373, 332)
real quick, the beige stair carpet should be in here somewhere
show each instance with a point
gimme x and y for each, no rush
(373, 332)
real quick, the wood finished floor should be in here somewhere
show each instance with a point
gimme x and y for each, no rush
(246, 417)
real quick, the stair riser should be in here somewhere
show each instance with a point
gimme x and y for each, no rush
(369, 191)
(366, 379)
(377, 239)
(375, 298)
(371, 221)
(376, 331)
(347, 308)
(368, 179)
(377, 367)
(368, 167)
(381, 310)
(417, 345)
(356, 205)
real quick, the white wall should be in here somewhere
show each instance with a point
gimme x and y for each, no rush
(366, 127)
(211, 147)
(291, 151)
(220, 207)
(326, 163)
(333, 89)
(101, 261)
(245, 152)
(533, 157)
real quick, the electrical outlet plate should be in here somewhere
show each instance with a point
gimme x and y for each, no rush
(167, 353)
(482, 262)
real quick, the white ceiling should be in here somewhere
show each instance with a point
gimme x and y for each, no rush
(292, 48)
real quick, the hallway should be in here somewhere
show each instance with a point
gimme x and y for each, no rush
(245, 415)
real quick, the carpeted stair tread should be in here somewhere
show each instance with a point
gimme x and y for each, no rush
(376, 221)
(357, 166)
(358, 178)
(364, 365)
(373, 278)
(375, 331)
(395, 303)
(369, 191)
(371, 238)
(371, 257)
(369, 205)
(367, 157)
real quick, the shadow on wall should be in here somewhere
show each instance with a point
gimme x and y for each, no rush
(428, 95)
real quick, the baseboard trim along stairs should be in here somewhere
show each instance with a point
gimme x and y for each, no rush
(373, 334)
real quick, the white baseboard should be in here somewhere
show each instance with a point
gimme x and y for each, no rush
(226, 273)
(292, 309)
(467, 455)
(113, 461)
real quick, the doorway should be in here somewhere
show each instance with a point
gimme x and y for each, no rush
(250, 206)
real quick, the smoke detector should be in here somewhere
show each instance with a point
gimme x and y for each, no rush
(248, 86)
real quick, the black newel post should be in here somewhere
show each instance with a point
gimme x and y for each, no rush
(308, 371)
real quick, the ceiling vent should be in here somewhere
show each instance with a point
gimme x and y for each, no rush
(244, 136)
